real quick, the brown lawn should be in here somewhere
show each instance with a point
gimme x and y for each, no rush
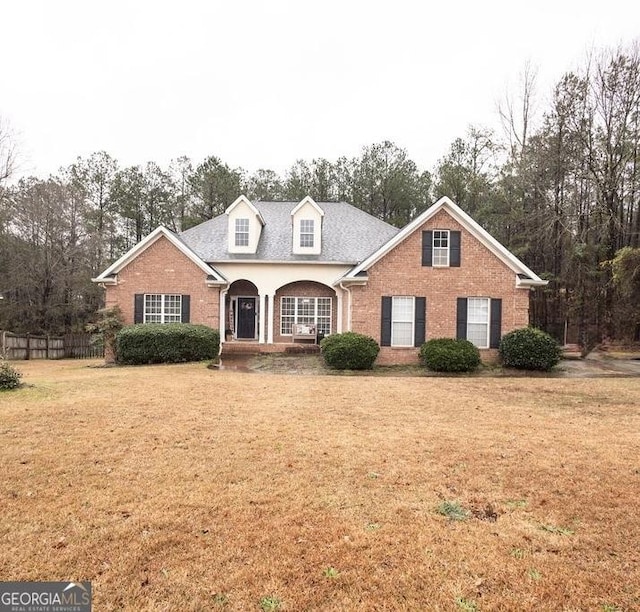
(182, 488)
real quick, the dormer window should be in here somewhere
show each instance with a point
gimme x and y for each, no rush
(306, 232)
(306, 223)
(242, 232)
(244, 227)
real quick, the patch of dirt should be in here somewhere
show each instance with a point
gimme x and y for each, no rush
(487, 513)
(595, 366)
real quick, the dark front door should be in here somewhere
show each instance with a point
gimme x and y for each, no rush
(246, 318)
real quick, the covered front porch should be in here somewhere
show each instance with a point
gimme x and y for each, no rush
(258, 320)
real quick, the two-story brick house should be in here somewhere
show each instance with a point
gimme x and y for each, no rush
(261, 269)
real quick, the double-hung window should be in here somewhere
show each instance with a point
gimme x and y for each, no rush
(305, 310)
(402, 320)
(162, 308)
(478, 311)
(441, 248)
(306, 232)
(242, 232)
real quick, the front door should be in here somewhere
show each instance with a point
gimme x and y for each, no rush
(246, 317)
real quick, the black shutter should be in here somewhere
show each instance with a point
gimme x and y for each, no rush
(454, 249)
(385, 324)
(186, 308)
(427, 248)
(461, 319)
(420, 321)
(495, 333)
(138, 308)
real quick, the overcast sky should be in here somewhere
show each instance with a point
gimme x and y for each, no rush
(261, 84)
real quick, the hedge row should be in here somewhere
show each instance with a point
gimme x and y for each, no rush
(167, 343)
(527, 348)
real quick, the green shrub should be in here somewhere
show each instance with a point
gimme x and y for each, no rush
(449, 355)
(529, 349)
(169, 343)
(349, 351)
(9, 377)
(109, 321)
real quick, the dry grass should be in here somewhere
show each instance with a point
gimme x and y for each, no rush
(181, 488)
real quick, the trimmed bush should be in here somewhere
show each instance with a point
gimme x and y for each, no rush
(169, 343)
(9, 377)
(529, 349)
(349, 351)
(449, 355)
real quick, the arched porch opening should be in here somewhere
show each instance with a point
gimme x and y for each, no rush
(304, 302)
(242, 308)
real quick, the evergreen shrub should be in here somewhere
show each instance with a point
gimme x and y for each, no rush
(168, 343)
(9, 377)
(449, 355)
(529, 349)
(349, 351)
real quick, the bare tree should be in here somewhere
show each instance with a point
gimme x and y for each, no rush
(517, 114)
(7, 153)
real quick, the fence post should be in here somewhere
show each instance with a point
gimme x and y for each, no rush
(28, 356)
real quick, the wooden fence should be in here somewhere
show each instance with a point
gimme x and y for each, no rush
(27, 346)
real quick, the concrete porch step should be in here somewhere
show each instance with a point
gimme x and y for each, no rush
(241, 347)
(571, 351)
(303, 349)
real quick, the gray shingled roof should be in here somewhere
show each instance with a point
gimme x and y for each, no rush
(349, 235)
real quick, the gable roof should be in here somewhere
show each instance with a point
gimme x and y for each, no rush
(242, 199)
(108, 276)
(525, 276)
(349, 235)
(312, 202)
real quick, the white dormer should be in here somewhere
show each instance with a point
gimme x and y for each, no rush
(307, 228)
(244, 226)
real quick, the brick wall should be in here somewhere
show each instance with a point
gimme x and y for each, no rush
(400, 272)
(162, 268)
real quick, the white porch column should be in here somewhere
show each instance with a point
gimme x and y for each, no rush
(223, 315)
(261, 318)
(272, 308)
(339, 311)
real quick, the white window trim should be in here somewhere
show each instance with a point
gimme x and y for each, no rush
(307, 234)
(433, 249)
(163, 314)
(244, 233)
(412, 321)
(316, 320)
(488, 322)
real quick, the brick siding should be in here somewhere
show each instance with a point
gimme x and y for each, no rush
(400, 272)
(162, 268)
